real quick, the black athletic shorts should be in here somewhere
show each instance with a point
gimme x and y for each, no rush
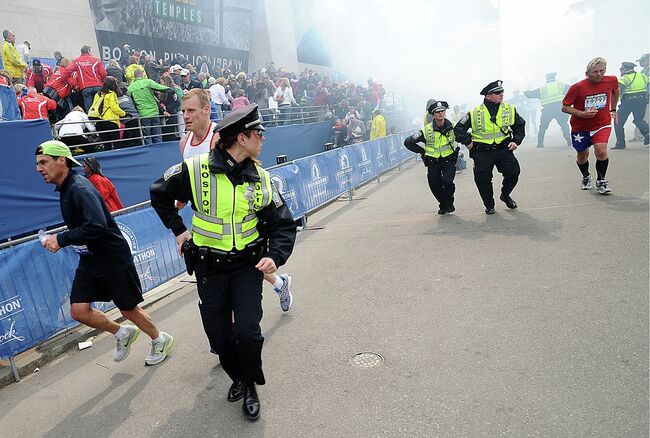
(123, 288)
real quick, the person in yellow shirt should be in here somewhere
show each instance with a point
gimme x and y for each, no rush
(378, 125)
(106, 110)
(129, 72)
(11, 59)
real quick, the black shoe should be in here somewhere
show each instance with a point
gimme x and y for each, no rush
(509, 201)
(251, 404)
(451, 208)
(236, 391)
(490, 210)
(442, 210)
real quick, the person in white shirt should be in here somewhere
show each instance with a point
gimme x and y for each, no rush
(284, 97)
(73, 127)
(201, 138)
(218, 95)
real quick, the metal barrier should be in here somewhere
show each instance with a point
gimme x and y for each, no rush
(34, 303)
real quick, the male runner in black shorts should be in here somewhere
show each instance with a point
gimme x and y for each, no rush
(106, 271)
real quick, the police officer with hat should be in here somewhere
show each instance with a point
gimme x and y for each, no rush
(241, 230)
(551, 96)
(496, 131)
(438, 154)
(634, 100)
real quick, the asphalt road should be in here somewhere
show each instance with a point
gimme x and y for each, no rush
(531, 322)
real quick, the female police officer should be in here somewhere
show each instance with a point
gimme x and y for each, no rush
(241, 230)
(438, 154)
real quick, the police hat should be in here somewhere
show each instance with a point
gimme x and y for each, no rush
(551, 75)
(643, 57)
(441, 105)
(241, 120)
(492, 87)
(627, 65)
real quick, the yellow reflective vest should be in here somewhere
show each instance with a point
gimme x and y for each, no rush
(485, 130)
(226, 215)
(438, 144)
(552, 92)
(634, 83)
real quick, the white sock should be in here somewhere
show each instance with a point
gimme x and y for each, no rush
(278, 282)
(122, 332)
(159, 339)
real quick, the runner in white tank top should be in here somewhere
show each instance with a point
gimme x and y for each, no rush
(189, 149)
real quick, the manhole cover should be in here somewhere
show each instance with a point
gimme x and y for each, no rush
(366, 360)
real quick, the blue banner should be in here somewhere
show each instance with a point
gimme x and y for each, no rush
(8, 104)
(35, 284)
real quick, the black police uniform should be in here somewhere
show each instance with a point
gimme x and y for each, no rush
(440, 171)
(486, 156)
(635, 104)
(230, 283)
(550, 112)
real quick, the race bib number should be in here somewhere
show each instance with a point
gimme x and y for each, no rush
(597, 101)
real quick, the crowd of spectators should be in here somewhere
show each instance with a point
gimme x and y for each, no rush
(109, 102)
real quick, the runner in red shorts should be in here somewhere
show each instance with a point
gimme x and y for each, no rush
(592, 105)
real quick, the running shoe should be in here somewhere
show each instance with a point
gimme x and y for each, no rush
(586, 182)
(286, 299)
(124, 343)
(159, 350)
(601, 185)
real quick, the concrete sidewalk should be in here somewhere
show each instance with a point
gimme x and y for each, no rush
(532, 322)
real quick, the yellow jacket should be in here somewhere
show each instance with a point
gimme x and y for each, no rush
(11, 60)
(111, 110)
(129, 72)
(378, 127)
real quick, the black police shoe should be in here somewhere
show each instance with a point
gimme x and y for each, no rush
(251, 404)
(236, 391)
(489, 210)
(442, 210)
(510, 203)
(450, 208)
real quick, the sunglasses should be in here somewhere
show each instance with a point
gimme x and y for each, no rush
(498, 92)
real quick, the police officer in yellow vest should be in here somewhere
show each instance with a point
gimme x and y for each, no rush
(438, 154)
(241, 230)
(551, 96)
(634, 100)
(496, 131)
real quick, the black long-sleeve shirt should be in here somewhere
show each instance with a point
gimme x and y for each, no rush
(90, 223)
(280, 227)
(465, 124)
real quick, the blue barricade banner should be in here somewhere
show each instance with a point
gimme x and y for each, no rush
(8, 104)
(35, 284)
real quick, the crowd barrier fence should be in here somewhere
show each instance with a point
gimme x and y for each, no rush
(35, 284)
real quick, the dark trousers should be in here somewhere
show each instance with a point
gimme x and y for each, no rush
(236, 289)
(506, 164)
(636, 107)
(107, 137)
(440, 175)
(131, 136)
(548, 114)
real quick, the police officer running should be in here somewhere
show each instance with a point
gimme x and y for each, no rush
(497, 130)
(634, 100)
(551, 96)
(241, 230)
(438, 155)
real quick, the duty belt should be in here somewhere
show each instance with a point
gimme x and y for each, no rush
(216, 259)
(493, 146)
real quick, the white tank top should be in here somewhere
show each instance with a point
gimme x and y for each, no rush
(190, 150)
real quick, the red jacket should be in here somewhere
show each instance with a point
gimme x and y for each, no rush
(106, 188)
(35, 106)
(90, 71)
(38, 80)
(60, 85)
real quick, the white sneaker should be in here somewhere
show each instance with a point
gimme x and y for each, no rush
(159, 350)
(586, 182)
(286, 299)
(602, 187)
(124, 343)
